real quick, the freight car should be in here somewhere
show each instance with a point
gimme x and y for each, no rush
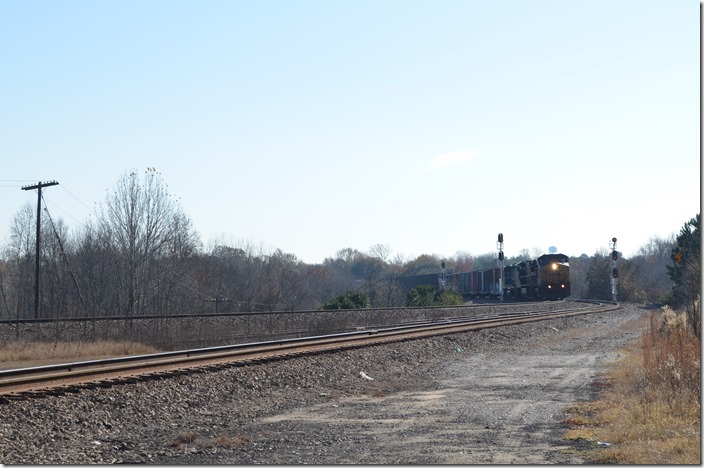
(545, 278)
(476, 283)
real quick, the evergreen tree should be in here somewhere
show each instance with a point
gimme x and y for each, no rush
(686, 271)
(599, 279)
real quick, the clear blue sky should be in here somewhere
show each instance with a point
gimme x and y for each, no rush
(312, 126)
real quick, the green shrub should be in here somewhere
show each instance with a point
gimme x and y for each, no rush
(426, 295)
(448, 298)
(349, 300)
(423, 295)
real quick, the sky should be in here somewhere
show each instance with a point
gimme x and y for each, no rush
(314, 126)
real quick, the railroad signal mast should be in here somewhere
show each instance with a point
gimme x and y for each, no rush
(614, 270)
(441, 279)
(500, 248)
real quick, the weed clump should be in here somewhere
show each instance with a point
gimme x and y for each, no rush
(183, 439)
(650, 412)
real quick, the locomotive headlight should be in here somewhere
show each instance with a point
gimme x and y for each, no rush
(562, 286)
(554, 266)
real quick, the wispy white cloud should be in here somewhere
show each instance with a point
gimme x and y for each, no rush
(451, 159)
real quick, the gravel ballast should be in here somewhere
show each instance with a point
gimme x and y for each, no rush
(492, 396)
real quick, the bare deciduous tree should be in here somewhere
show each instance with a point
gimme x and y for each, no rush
(142, 226)
(20, 252)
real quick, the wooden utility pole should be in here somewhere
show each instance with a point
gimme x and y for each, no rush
(38, 186)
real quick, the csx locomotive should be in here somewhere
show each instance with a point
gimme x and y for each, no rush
(545, 278)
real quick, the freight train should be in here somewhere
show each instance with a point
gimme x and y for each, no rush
(545, 278)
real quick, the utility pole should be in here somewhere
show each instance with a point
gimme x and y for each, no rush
(38, 186)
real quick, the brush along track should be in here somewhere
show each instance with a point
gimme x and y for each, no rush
(67, 377)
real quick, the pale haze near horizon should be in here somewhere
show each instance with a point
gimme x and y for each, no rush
(315, 126)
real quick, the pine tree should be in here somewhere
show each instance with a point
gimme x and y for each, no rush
(686, 271)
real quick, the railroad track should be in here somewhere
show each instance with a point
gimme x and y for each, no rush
(70, 377)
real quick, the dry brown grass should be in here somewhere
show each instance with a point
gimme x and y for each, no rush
(16, 354)
(650, 414)
(225, 441)
(183, 439)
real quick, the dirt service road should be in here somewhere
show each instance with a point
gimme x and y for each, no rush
(500, 405)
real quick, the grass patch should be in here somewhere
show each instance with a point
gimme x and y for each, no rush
(183, 439)
(225, 441)
(19, 354)
(650, 401)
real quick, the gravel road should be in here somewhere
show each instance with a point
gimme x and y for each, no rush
(493, 396)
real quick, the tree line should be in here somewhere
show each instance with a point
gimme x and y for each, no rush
(141, 255)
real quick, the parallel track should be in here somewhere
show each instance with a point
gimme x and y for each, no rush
(29, 381)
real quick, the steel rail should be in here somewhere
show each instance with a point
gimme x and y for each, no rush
(29, 321)
(14, 381)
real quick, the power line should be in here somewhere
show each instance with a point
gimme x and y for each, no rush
(78, 199)
(49, 202)
(13, 183)
(63, 254)
(55, 205)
